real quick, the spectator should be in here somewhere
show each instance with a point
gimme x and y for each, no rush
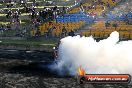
(71, 33)
(115, 25)
(64, 10)
(38, 33)
(9, 14)
(107, 24)
(108, 5)
(64, 32)
(49, 33)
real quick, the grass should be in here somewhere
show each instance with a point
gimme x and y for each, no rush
(23, 14)
(4, 23)
(2, 14)
(38, 7)
(34, 42)
(9, 32)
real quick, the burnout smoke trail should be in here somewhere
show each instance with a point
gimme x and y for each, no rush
(108, 56)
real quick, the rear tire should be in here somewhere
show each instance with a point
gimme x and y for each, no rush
(82, 80)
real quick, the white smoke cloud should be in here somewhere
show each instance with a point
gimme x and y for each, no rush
(108, 56)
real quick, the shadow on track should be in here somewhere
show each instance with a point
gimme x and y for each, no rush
(37, 69)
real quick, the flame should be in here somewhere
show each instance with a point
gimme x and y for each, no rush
(81, 71)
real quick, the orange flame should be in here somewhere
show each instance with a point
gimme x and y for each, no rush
(81, 71)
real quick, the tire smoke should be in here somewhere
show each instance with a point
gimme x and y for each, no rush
(108, 56)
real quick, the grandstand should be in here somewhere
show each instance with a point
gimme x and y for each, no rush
(56, 19)
(116, 20)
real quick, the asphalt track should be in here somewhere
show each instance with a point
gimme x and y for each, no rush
(29, 69)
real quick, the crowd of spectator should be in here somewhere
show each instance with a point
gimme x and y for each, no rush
(108, 24)
(37, 16)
